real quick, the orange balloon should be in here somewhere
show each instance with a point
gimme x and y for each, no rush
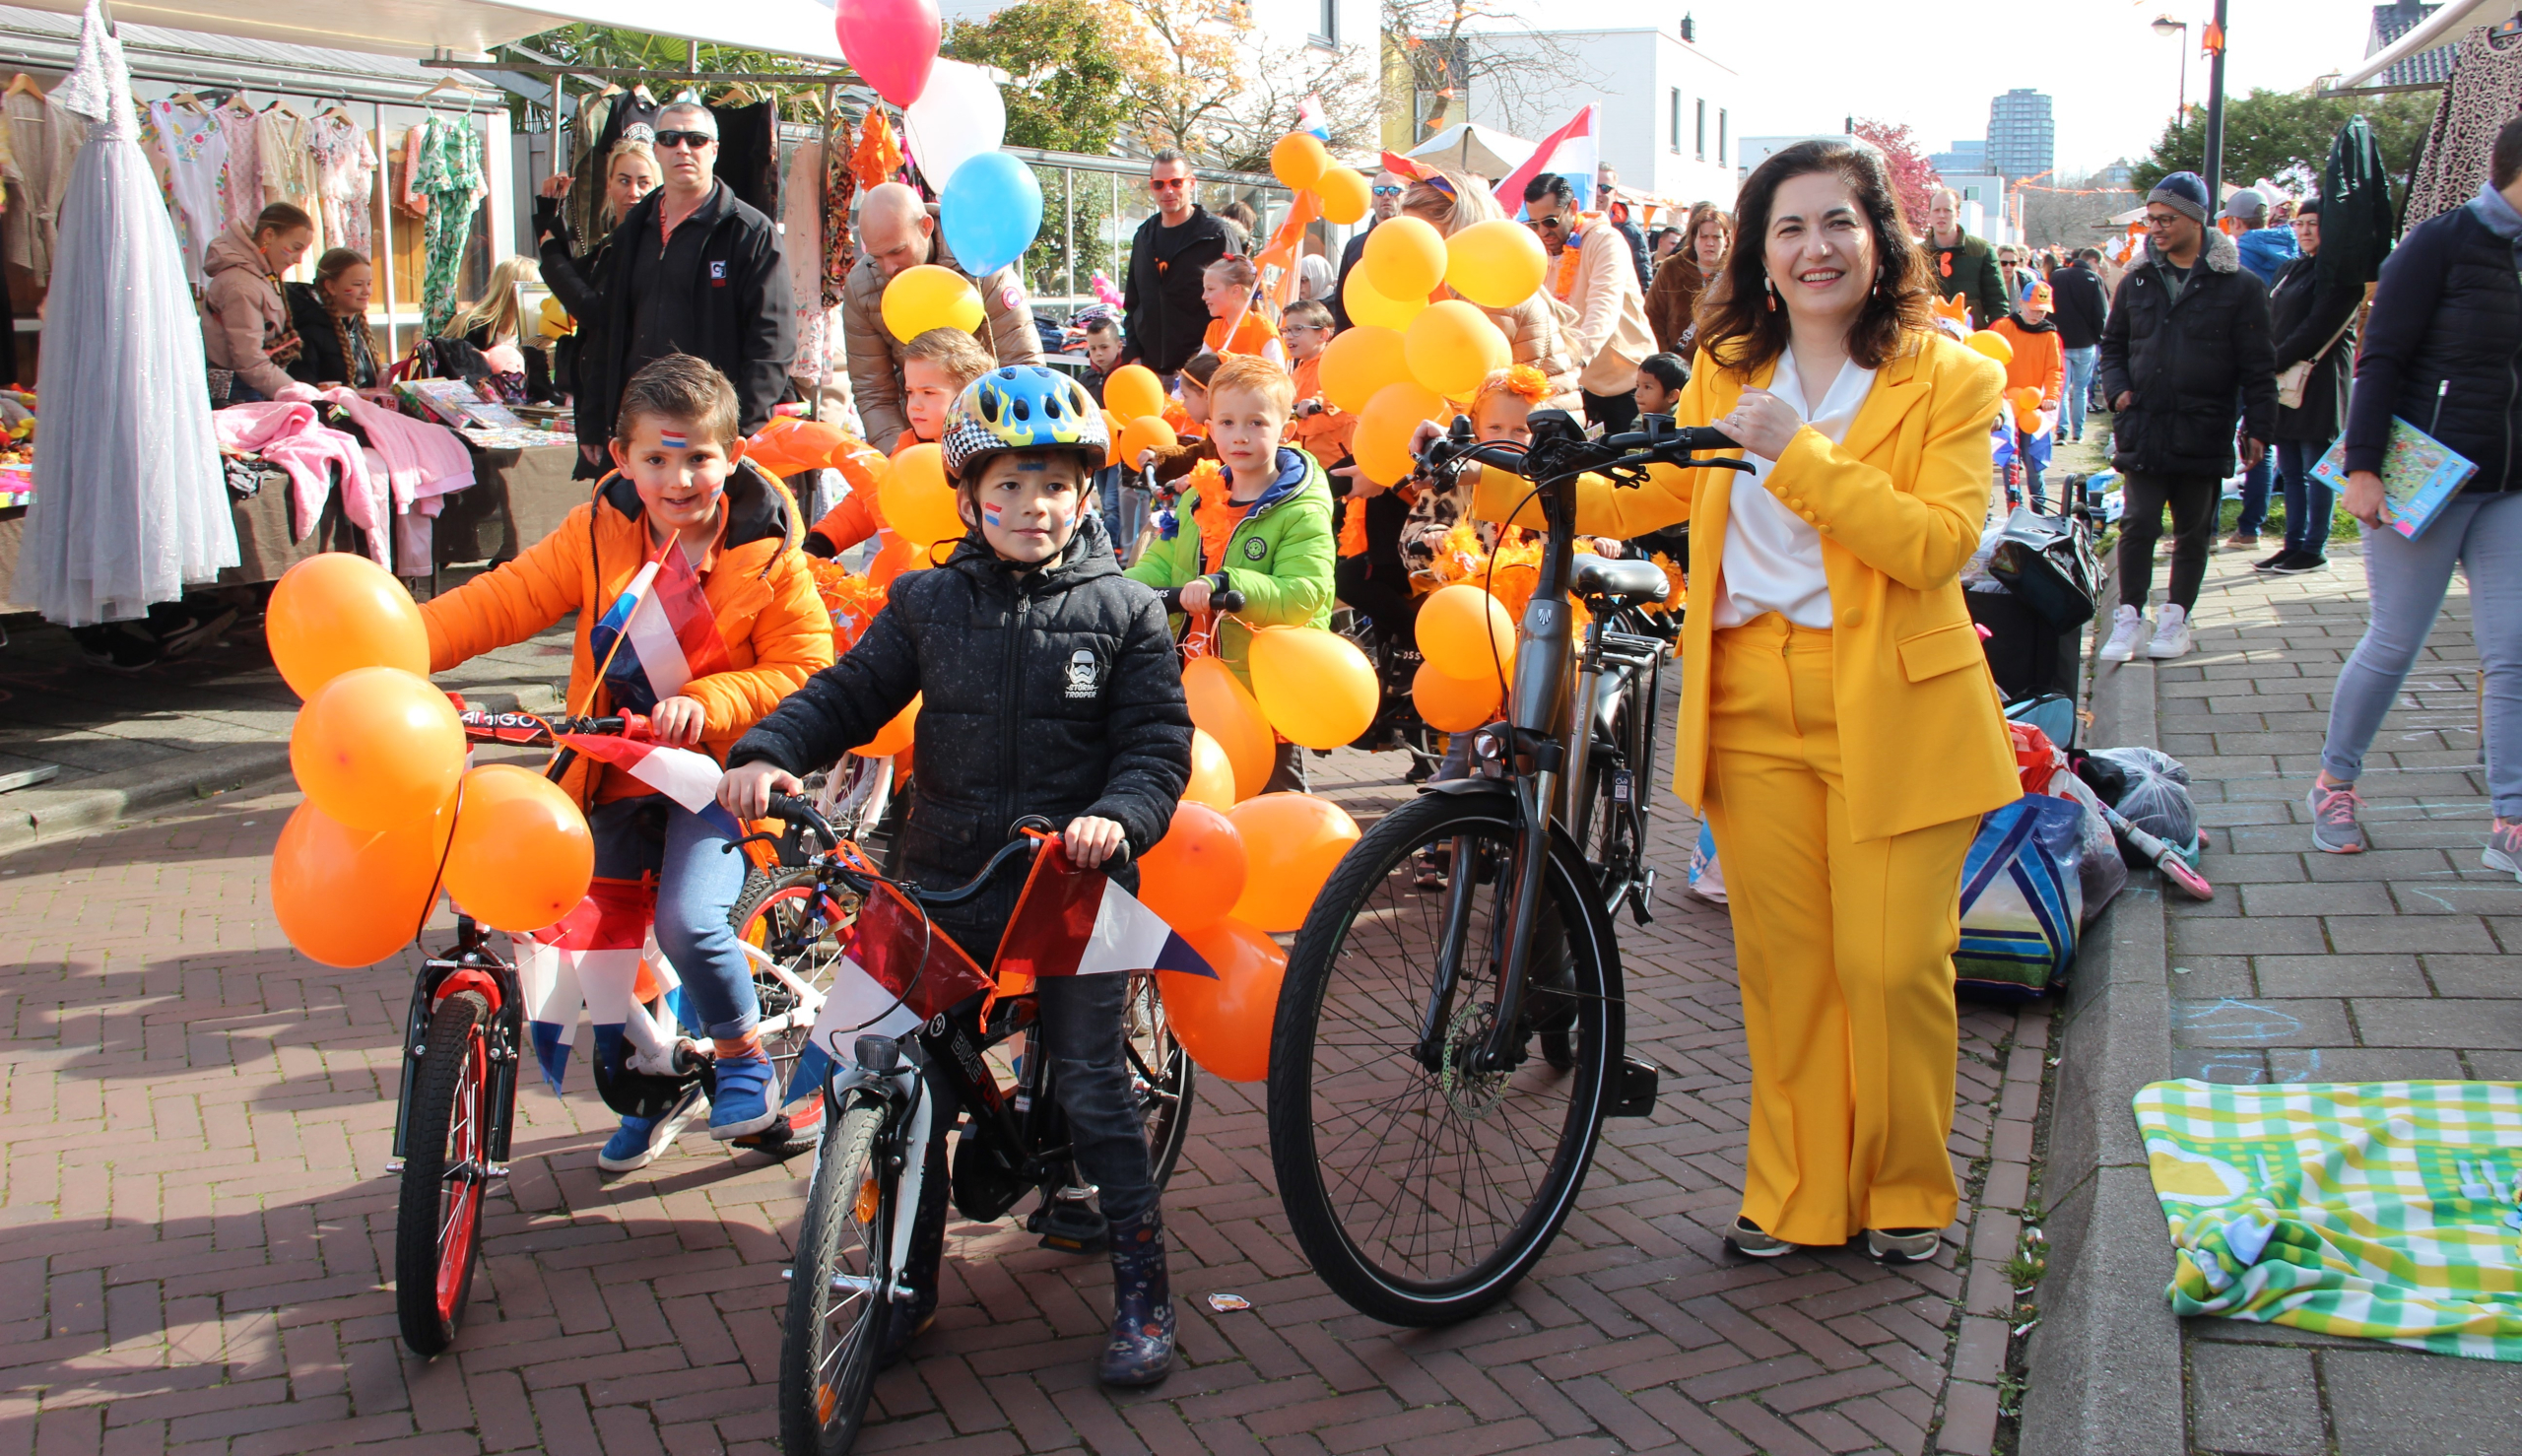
(1360, 362)
(1298, 160)
(788, 447)
(1292, 844)
(1368, 304)
(1404, 258)
(1225, 1024)
(1315, 687)
(1212, 773)
(1452, 346)
(1133, 390)
(2026, 407)
(1497, 264)
(1385, 425)
(1194, 874)
(1345, 192)
(351, 898)
(1465, 632)
(894, 737)
(916, 500)
(1454, 705)
(1112, 439)
(1224, 708)
(1145, 432)
(377, 748)
(521, 856)
(333, 612)
(896, 556)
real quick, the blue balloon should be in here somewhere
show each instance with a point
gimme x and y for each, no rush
(991, 210)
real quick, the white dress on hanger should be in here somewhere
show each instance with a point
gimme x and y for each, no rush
(130, 507)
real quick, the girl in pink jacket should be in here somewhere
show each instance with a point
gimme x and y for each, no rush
(245, 319)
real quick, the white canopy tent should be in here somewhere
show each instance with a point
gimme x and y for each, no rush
(1468, 147)
(2445, 26)
(466, 30)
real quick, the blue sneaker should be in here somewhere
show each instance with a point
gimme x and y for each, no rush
(641, 1141)
(800, 1124)
(742, 1102)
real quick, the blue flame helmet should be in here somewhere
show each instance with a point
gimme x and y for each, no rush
(1021, 407)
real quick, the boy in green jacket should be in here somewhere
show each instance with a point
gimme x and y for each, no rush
(1267, 534)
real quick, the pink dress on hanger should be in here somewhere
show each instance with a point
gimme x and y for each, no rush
(245, 180)
(345, 175)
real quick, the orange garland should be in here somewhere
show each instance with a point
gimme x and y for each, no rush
(852, 600)
(1216, 517)
(879, 156)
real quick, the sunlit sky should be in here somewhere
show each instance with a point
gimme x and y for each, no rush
(1935, 63)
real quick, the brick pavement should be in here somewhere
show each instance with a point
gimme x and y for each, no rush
(196, 1125)
(2398, 963)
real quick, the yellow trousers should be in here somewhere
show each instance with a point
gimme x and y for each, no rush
(1844, 951)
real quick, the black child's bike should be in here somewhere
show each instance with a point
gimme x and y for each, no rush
(1444, 1058)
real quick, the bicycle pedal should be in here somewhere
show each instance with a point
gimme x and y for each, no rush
(1641, 900)
(1633, 1088)
(1071, 1228)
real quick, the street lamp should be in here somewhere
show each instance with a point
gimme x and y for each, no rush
(2167, 27)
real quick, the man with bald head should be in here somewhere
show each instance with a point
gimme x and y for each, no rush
(695, 271)
(897, 232)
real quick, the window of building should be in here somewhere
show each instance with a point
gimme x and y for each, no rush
(1721, 141)
(1702, 129)
(1673, 120)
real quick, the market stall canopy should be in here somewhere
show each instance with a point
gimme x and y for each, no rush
(45, 38)
(467, 29)
(2445, 26)
(1468, 147)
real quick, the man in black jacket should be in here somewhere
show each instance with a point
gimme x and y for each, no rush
(695, 271)
(2185, 349)
(2081, 310)
(1161, 315)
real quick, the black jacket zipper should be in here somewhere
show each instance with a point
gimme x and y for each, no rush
(1010, 710)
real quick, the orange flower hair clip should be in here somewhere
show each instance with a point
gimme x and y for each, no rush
(1520, 380)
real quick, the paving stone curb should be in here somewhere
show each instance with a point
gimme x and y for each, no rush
(2104, 1363)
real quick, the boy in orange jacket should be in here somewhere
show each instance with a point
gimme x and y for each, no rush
(2040, 363)
(936, 366)
(680, 531)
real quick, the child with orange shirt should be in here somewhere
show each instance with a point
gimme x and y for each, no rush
(1225, 286)
(936, 366)
(2040, 363)
(1320, 429)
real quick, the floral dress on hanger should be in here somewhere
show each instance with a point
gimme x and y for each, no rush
(288, 169)
(243, 182)
(345, 177)
(193, 148)
(450, 177)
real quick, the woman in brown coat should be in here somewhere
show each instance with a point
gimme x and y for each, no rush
(1536, 329)
(1680, 278)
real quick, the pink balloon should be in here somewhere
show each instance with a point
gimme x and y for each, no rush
(891, 43)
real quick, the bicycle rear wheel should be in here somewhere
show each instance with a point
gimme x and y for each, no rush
(1419, 1188)
(1161, 1075)
(839, 1304)
(792, 920)
(437, 1224)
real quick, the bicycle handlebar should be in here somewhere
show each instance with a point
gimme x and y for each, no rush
(1227, 601)
(1559, 450)
(537, 730)
(797, 811)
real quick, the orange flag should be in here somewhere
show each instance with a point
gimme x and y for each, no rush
(1282, 251)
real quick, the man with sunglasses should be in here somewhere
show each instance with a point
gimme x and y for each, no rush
(1387, 202)
(695, 271)
(2185, 351)
(1163, 316)
(1591, 272)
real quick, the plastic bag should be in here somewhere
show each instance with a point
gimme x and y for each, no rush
(2022, 897)
(2151, 788)
(2048, 562)
(2101, 869)
(1707, 880)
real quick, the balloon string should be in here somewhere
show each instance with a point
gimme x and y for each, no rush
(606, 666)
(438, 882)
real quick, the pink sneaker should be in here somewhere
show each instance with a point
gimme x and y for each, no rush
(2505, 848)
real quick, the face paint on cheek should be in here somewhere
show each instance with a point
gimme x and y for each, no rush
(990, 514)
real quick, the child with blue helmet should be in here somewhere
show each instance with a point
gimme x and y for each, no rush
(1050, 686)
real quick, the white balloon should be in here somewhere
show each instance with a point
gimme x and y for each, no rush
(956, 119)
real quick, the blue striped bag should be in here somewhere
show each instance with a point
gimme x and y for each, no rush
(2022, 897)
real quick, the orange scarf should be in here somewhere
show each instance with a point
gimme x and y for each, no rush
(1563, 282)
(1216, 517)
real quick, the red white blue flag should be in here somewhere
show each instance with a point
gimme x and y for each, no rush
(668, 634)
(687, 779)
(1575, 151)
(589, 964)
(1078, 922)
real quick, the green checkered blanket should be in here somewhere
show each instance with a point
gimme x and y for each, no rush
(2383, 1209)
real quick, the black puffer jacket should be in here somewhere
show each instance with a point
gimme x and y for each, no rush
(2082, 306)
(2193, 363)
(1055, 693)
(2443, 351)
(2303, 319)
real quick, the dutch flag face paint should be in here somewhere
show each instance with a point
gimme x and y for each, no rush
(674, 440)
(992, 515)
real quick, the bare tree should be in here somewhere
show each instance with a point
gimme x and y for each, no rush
(1198, 76)
(2072, 212)
(1448, 49)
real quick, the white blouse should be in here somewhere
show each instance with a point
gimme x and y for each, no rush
(1772, 559)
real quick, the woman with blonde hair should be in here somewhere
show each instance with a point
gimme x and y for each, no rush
(1537, 329)
(497, 326)
(1839, 725)
(578, 280)
(1672, 299)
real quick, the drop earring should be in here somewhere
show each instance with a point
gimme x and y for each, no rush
(1770, 284)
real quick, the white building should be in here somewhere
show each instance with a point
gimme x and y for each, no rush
(1668, 107)
(1757, 149)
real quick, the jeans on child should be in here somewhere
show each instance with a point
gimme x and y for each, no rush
(697, 882)
(2080, 367)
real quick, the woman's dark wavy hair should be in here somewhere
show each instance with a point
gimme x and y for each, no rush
(1736, 325)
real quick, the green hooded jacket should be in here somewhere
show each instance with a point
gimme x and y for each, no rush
(1279, 556)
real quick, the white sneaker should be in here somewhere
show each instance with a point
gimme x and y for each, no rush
(2171, 633)
(2125, 628)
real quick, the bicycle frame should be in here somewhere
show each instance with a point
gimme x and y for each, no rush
(473, 966)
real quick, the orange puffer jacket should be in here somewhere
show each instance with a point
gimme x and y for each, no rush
(776, 629)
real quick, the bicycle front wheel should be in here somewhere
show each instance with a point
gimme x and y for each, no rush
(1423, 1188)
(839, 1308)
(446, 1171)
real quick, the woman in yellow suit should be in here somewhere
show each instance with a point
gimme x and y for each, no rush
(1839, 725)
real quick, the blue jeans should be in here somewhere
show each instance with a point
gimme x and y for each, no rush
(2309, 503)
(2255, 484)
(697, 884)
(2080, 367)
(2405, 581)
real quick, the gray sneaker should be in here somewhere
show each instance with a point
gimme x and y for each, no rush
(1903, 1245)
(1751, 1240)
(2505, 849)
(2334, 827)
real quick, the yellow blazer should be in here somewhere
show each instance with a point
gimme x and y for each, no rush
(1900, 507)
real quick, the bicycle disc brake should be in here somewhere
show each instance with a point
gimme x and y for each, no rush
(1472, 1094)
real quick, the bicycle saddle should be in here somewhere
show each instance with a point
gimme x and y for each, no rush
(1626, 579)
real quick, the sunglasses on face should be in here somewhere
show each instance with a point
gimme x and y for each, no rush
(696, 140)
(1387, 192)
(1551, 222)
(1168, 185)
